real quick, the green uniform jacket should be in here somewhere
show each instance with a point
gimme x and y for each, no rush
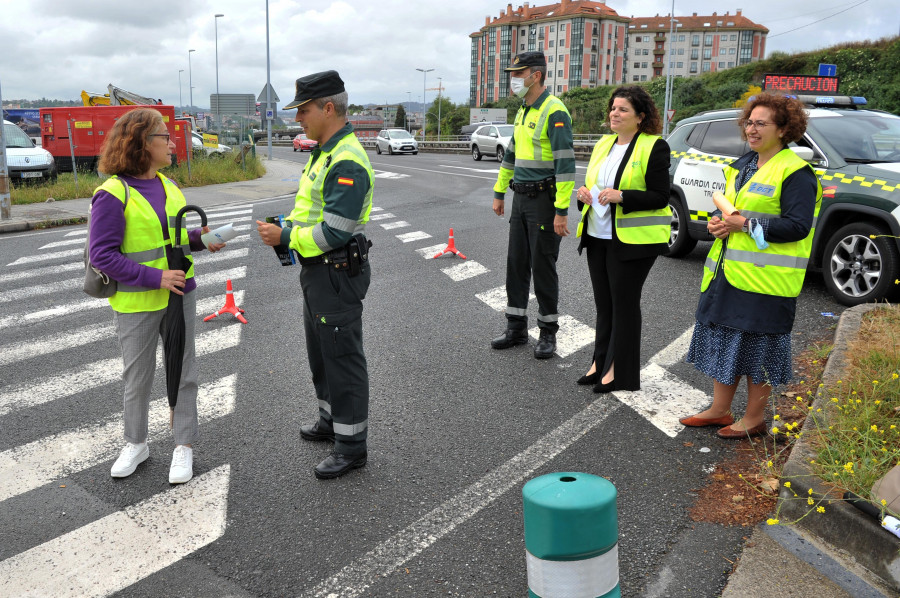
(541, 147)
(334, 198)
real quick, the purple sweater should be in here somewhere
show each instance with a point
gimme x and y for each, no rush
(108, 230)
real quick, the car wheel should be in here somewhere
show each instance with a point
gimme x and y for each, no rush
(680, 240)
(500, 152)
(476, 155)
(295, 149)
(390, 151)
(377, 149)
(415, 153)
(857, 268)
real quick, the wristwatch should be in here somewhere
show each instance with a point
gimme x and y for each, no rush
(746, 226)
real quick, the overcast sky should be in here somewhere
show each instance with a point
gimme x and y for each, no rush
(56, 48)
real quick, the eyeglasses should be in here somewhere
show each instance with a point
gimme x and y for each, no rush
(166, 135)
(759, 124)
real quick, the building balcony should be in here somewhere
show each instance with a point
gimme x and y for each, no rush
(660, 37)
(659, 51)
(658, 64)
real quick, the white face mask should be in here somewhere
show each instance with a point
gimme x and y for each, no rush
(517, 85)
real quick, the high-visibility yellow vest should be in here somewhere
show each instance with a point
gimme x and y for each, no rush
(144, 244)
(780, 268)
(309, 203)
(641, 227)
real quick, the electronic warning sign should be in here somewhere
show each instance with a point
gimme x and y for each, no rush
(812, 84)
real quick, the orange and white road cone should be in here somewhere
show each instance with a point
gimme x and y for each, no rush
(230, 307)
(450, 248)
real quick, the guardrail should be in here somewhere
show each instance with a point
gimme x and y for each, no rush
(583, 148)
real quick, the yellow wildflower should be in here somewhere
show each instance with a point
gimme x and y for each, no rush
(771, 521)
(775, 430)
(821, 509)
(787, 484)
(810, 501)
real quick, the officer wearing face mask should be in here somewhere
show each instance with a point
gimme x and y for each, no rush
(539, 166)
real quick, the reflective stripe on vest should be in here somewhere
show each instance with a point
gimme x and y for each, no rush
(309, 203)
(641, 227)
(143, 243)
(532, 144)
(778, 270)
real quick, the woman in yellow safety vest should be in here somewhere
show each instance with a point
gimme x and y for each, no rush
(755, 269)
(131, 232)
(626, 223)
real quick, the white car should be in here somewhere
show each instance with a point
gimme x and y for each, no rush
(396, 141)
(25, 161)
(491, 140)
(199, 147)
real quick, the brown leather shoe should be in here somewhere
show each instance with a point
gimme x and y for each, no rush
(730, 433)
(699, 422)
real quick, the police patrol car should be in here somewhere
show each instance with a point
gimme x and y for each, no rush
(856, 154)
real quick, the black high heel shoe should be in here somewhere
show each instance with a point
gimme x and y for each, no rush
(601, 387)
(588, 379)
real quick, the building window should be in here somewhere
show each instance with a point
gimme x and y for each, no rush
(731, 50)
(681, 51)
(559, 73)
(721, 65)
(695, 54)
(562, 27)
(551, 43)
(522, 32)
(560, 58)
(643, 65)
(562, 43)
(708, 39)
(522, 47)
(550, 59)
(559, 89)
(693, 67)
(680, 65)
(707, 53)
(550, 75)
(723, 37)
(695, 40)
(681, 37)
(552, 28)
(635, 78)
(733, 37)
(646, 52)
(705, 67)
(730, 64)
(637, 39)
(643, 77)
(721, 51)
(637, 65)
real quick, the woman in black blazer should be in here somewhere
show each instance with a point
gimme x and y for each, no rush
(627, 223)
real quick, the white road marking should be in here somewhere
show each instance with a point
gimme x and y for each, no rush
(41, 289)
(467, 269)
(390, 555)
(204, 257)
(496, 298)
(484, 170)
(74, 233)
(120, 549)
(393, 225)
(675, 351)
(53, 255)
(86, 304)
(98, 373)
(63, 243)
(450, 174)
(29, 275)
(32, 465)
(415, 236)
(377, 209)
(663, 398)
(571, 337)
(88, 334)
(429, 252)
(385, 216)
(210, 214)
(383, 174)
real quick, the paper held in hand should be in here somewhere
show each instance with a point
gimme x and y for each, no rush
(723, 204)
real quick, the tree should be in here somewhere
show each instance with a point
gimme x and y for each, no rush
(400, 121)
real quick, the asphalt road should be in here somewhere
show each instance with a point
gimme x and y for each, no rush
(455, 427)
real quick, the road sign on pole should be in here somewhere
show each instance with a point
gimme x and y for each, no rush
(669, 114)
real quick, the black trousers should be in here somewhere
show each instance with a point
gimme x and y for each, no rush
(617, 288)
(533, 250)
(332, 319)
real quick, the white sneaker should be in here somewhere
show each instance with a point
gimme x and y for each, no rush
(132, 456)
(182, 468)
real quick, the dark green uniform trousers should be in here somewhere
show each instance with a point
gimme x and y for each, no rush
(533, 249)
(332, 318)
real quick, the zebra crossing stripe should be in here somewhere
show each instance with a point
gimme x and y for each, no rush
(211, 278)
(393, 225)
(44, 257)
(210, 214)
(496, 298)
(85, 335)
(105, 371)
(572, 335)
(210, 223)
(428, 252)
(35, 273)
(384, 216)
(120, 549)
(32, 465)
(76, 233)
(41, 289)
(414, 236)
(465, 270)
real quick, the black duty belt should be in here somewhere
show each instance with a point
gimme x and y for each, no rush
(533, 188)
(350, 257)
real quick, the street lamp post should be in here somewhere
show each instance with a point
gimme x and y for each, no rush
(668, 56)
(268, 87)
(408, 102)
(218, 122)
(440, 88)
(424, 76)
(180, 101)
(191, 81)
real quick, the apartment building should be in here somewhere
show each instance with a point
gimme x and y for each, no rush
(584, 43)
(699, 44)
(589, 44)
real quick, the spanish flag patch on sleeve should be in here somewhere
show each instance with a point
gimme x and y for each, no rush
(345, 181)
(559, 124)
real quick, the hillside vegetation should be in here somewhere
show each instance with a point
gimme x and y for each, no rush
(868, 69)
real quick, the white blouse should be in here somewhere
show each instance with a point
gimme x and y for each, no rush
(599, 225)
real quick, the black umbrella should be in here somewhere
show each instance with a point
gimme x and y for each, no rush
(173, 324)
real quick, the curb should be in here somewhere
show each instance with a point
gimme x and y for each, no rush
(854, 535)
(39, 224)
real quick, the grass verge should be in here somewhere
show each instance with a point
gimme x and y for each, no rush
(204, 171)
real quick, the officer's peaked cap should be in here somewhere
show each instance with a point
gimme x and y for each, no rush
(317, 85)
(526, 60)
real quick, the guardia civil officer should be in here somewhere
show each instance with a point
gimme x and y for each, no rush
(539, 166)
(326, 229)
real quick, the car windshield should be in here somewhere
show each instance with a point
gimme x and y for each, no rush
(505, 130)
(399, 135)
(861, 137)
(16, 137)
